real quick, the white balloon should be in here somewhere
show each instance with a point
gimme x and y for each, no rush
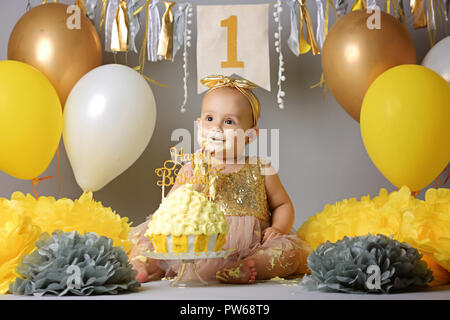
(438, 58)
(109, 118)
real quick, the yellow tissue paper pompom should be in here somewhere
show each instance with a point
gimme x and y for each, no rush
(352, 218)
(17, 238)
(427, 226)
(440, 275)
(24, 218)
(83, 215)
(424, 224)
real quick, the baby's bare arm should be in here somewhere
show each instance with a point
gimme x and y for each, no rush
(283, 214)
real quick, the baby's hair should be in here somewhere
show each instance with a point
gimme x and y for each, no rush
(244, 86)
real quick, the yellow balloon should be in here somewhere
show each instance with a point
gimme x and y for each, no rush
(405, 125)
(30, 120)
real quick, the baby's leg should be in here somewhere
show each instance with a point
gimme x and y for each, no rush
(276, 261)
(282, 259)
(148, 269)
(240, 272)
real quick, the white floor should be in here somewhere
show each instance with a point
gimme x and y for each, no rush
(269, 290)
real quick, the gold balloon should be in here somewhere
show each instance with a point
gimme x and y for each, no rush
(61, 44)
(353, 55)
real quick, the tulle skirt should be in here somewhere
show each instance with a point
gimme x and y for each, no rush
(244, 236)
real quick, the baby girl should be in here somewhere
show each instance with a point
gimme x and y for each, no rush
(258, 209)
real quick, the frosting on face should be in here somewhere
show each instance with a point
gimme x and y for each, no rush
(229, 142)
(187, 212)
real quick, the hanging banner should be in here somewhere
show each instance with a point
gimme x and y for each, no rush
(233, 39)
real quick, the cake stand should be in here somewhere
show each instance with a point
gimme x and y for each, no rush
(183, 280)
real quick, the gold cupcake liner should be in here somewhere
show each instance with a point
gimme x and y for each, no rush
(187, 243)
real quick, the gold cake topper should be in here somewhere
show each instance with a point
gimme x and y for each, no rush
(170, 171)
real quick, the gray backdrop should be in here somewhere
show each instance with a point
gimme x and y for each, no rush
(322, 157)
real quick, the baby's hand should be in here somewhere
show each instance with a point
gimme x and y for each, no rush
(270, 233)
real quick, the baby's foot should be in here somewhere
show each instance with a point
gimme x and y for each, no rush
(242, 272)
(142, 275)
(141, 268)
(147, 271)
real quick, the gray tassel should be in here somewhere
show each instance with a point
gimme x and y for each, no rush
(133, 5)
(294, 35)
(179, 17)
(109, 20)
(154, 26)
(90, 8)
(341, 7)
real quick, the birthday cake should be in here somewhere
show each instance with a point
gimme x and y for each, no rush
(187, 222)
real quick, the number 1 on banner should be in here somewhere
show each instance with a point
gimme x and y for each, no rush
(231, 25)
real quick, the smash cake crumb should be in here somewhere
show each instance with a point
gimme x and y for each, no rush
(285, 282)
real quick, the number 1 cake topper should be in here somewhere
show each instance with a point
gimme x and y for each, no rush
(202, 172)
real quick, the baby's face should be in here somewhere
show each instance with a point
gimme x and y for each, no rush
(226, 116)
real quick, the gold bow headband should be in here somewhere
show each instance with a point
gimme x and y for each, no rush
(244, 86)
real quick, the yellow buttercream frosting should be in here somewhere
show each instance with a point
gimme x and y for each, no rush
(187, 212)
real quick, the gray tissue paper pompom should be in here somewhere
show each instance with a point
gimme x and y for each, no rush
(366, 264)
(70, 263)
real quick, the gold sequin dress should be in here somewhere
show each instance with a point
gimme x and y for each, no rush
(241, 195)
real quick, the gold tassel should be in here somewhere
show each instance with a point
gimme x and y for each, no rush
(320, 84)
(387, 6)
(329, 2)
(360, 5)
(431, 33)
(165, 45)
(119, 34)
(154, 81)
(444, 9)
(325, 33)
(437, 13)
(82, 5)
(399, 9)
(442, 15)
(102, 17)
(418, 13)
(143, 51)
(304, 46)
(325, 22)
